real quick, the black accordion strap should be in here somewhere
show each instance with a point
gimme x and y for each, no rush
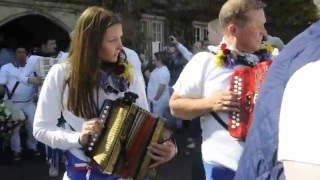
(13, 90)
(220, 121)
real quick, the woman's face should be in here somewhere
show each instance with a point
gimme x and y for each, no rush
(111, 44)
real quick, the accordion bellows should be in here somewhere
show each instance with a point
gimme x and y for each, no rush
(122, 147)
(44, 65)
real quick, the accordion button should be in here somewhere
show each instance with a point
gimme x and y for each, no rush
(107, 107)
(238, 119)
(91, 144)
(233, 126)
(238, 115)
(90, 148)
(105, 111)
(240, 79)
(239, 92)
(103, 116)
(233, 117)
(239, 88)
(94, 139)
(236, 77)
(96, 135)
(237, 124)
(235, 90)
(235, 86)
(233, 121)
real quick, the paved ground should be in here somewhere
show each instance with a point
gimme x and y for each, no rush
(35, 168)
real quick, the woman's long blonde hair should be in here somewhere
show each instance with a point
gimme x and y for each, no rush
(85, 61)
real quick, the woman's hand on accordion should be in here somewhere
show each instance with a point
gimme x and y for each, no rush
(90, 128)
(162, 153)
(225, 101)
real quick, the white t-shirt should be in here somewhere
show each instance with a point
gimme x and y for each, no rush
(9, 77)
(50, 107)
(299, 118)
(33, 65)
(201, 78)
(159, 76)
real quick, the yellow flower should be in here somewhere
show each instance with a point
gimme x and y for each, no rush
(127, 74)
(269, 48)
(219, 62)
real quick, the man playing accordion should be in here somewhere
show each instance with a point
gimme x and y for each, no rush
(204, 85)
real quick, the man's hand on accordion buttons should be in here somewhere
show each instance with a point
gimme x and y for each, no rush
(225, 101)
(161, 153)
(90, 128)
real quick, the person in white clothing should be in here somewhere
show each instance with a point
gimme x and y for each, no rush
(76, 90)
(203, 85)
(298, 124)
(21, 95)
(158, 85)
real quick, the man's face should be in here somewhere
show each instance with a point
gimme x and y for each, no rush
(214, 35)
(50, 47)
(172, 50)
(249, 36)
(21, 54)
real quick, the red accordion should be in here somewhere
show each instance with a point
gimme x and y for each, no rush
(246, 81)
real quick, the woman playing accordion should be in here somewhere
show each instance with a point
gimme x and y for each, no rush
(76, 89)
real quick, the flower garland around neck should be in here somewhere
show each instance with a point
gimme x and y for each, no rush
(228, 58)
(118, 79)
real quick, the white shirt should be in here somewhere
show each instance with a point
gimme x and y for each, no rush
(299, 119)
(184, 51)
(159, 76)
(9, 77)
(201, 78)
(133, 58)
(33, 65)
(50, 107)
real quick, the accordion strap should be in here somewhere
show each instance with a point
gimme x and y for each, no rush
(10, 94)
(220, 121)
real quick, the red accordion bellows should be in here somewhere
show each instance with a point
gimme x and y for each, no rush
(246, 81)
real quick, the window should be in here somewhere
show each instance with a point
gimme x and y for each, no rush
(152, 28)
(200, 31)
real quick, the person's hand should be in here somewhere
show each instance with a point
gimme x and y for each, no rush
(90, 128)
(173, 40)
(147, 73)
(35, 98)
(225, 101)
(35, 80)
(161, 153)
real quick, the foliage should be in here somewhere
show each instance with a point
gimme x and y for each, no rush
(286, 18)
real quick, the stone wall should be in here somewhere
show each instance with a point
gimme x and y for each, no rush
(62, 14)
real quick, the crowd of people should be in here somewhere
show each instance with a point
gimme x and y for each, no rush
(177, 84)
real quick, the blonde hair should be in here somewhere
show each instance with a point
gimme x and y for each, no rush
(235, 11)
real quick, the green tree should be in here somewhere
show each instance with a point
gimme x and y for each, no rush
(286, 18)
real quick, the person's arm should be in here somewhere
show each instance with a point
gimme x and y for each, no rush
(183, 50)
(298, 125)
(189, 108)
(160, 91)
(3, 81)
(2, 90)
(48, 111)
(297, 170)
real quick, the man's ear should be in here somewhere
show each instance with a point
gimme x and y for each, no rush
(232, 29)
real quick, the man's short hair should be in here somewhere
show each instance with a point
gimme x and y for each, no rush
(235, 11)
(214, 24)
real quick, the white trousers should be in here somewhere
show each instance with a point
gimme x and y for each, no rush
(29, 108)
